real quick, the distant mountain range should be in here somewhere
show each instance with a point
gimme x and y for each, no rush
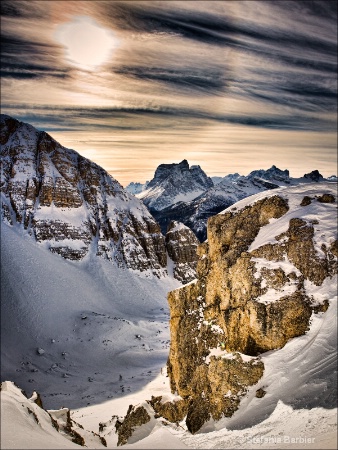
(186, 194)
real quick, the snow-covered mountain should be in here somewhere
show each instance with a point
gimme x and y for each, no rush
(274, 174)
(231, 189)
(70, 328)
(136, 188)
(90, 333)
(173, 183)
(83, 270)
(71, 205)
(229, 177)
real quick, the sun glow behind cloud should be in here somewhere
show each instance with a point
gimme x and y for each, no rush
(232, 87)
(87, 44)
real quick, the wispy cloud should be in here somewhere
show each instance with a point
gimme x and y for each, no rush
(181, 69)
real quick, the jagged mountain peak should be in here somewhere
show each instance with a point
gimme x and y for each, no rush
(314, 176)
(173, 183)
(225, 192)
(175, 170)
(273, 174)
(136, 188)
(165, 170)
(74, 208)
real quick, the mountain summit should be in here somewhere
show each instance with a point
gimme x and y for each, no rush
(173, 183)
(187, 195)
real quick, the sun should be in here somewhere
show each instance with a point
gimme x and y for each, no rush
(87, 44)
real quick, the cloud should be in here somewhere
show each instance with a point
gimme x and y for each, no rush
(67, 118)
(182, 69)
(211, 81)
(20, 9)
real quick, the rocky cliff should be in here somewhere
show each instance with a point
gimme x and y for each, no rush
(173, 183)
(259, 275)
(263, 276)
(181, 244)
(73, 207)
(194, 212)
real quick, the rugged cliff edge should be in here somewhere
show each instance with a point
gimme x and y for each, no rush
(265, 272)
(173, 183)
(73, 206)
(257, 273)
(181, 244)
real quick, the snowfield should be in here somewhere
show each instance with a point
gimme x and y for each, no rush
(105, 340)
(93, 320)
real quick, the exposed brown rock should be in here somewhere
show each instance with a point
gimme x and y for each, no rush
(334, 248)
(77, 438)
(306, 201)
(225, 307)
(135, 417)
(198, 414)
(260, 393)
(38, 400)
(326, 198)
(181, 244)
(172, 411)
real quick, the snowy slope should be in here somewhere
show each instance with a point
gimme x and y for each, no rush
(93, 320)
(25, 425)
(298, 410)
(129, 310)
(300, 381)
(299, 407)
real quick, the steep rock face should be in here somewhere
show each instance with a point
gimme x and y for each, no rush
(173, 411)
(173, 183)
(273, 174)
(257, 287)
(229, 190)
(314, 176)
(72, 205)
(181, 244)
(136, 416)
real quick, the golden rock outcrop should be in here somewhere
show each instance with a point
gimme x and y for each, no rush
(247, 299)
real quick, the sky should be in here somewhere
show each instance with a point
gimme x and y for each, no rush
(233, 86)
